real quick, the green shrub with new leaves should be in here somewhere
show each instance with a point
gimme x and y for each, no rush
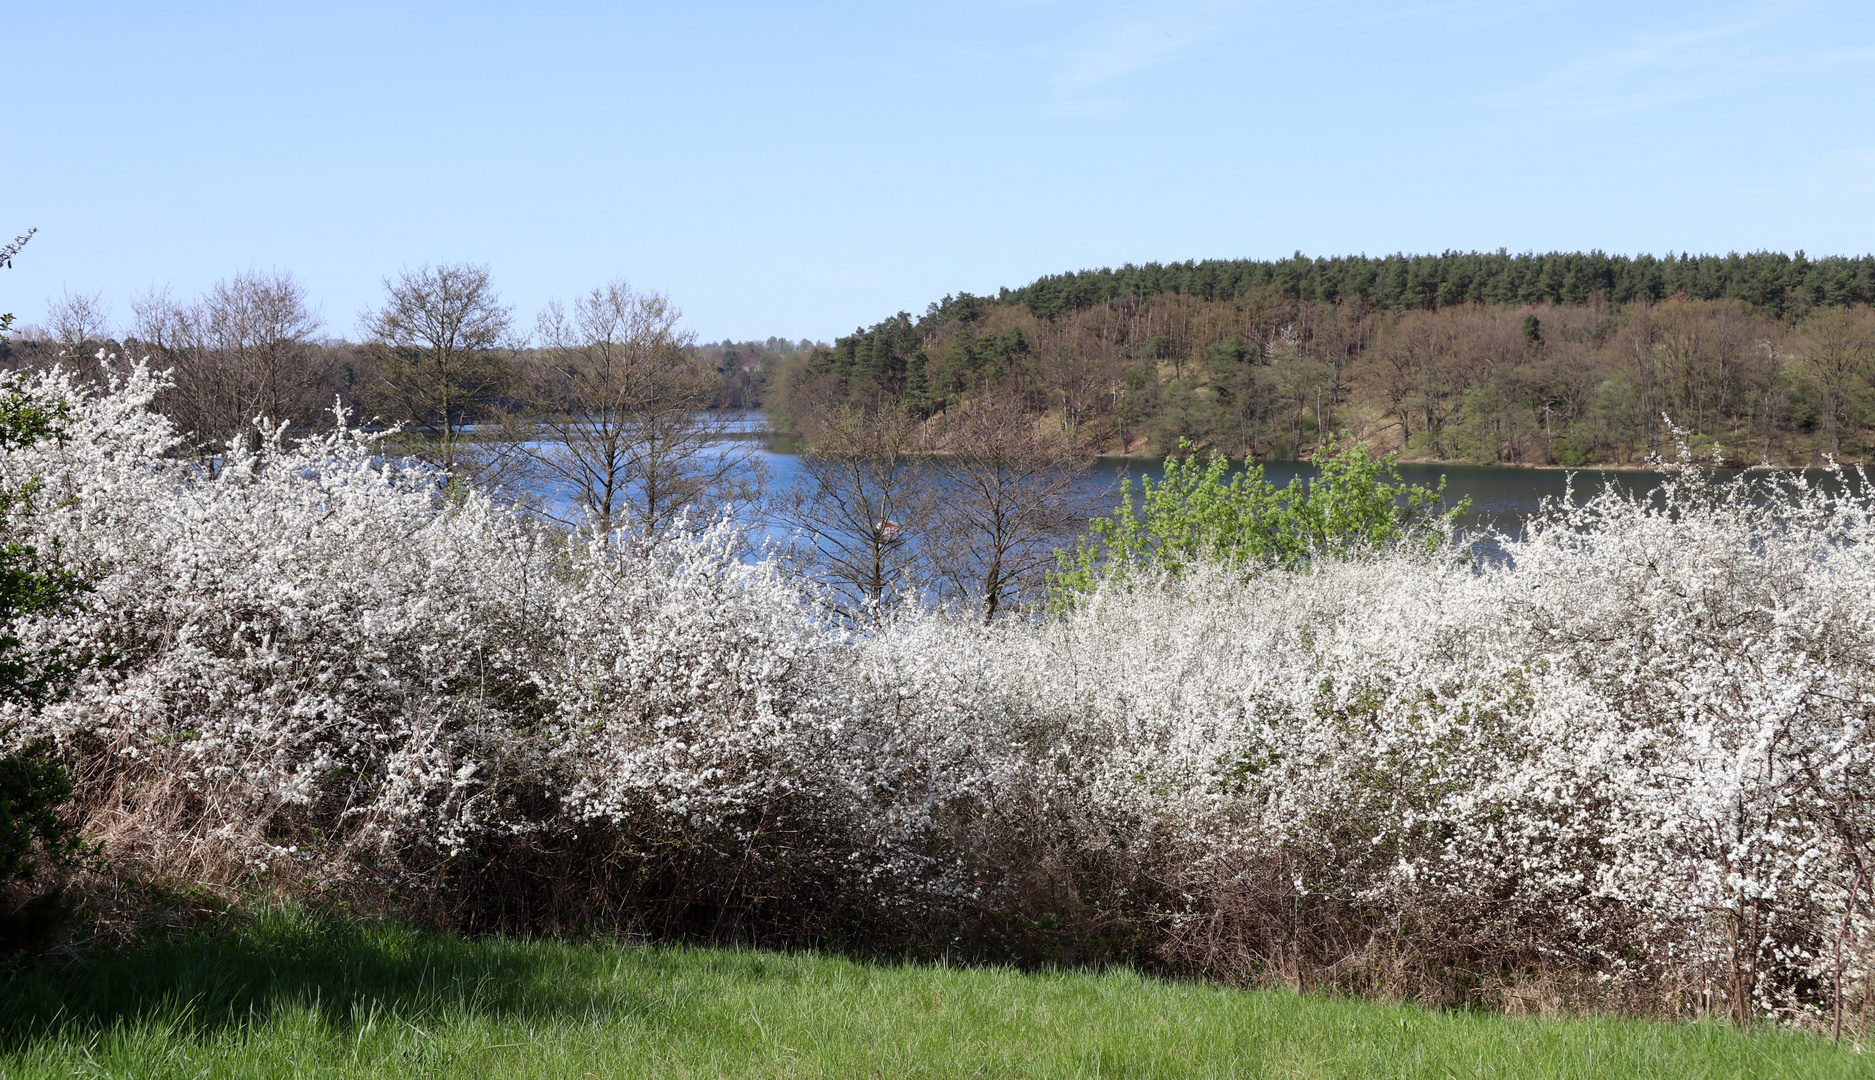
(1211, 512)
(34, 786)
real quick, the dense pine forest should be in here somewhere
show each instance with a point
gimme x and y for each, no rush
(1552, 359)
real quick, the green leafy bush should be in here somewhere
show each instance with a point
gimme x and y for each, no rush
(1211, 512)
(34, 785)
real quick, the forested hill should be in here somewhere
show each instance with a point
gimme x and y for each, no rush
(1552, 359)
(1766, 279)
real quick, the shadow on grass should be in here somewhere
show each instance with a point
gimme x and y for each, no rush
(347, 978)
(244, 975)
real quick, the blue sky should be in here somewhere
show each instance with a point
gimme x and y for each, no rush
(802, 169)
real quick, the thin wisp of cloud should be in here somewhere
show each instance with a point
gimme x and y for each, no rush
(1654, 72)
(1102, 54)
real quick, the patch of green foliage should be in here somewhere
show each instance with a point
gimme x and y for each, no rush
(294, 996)
(1213, 512)
(34, 785)
(32, 582)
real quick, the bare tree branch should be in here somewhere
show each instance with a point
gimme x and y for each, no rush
(1011, 492)
(621, 419)
(442, 346)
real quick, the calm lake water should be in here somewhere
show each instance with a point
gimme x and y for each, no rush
(1501, 497)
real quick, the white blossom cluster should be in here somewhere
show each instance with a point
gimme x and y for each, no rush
(1637, 749)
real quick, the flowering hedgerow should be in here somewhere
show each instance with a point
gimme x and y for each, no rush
(1634, 753)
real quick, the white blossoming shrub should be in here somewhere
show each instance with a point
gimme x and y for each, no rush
(307, 633)
(1638, 749)
(328, 670)
(1633, 758)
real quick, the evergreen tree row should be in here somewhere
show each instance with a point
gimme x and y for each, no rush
(1773, 280)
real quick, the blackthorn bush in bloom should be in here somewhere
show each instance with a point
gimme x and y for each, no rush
(1630, 763)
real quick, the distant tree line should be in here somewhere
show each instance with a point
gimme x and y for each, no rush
(1551, 359)
(1531, 359)
(443, 356)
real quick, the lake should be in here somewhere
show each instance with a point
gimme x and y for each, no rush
(1501, 496)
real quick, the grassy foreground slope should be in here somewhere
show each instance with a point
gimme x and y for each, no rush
(292, 996)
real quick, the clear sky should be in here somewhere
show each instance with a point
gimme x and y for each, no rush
(801, 169)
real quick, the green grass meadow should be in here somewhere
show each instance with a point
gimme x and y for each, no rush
(293, 996)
